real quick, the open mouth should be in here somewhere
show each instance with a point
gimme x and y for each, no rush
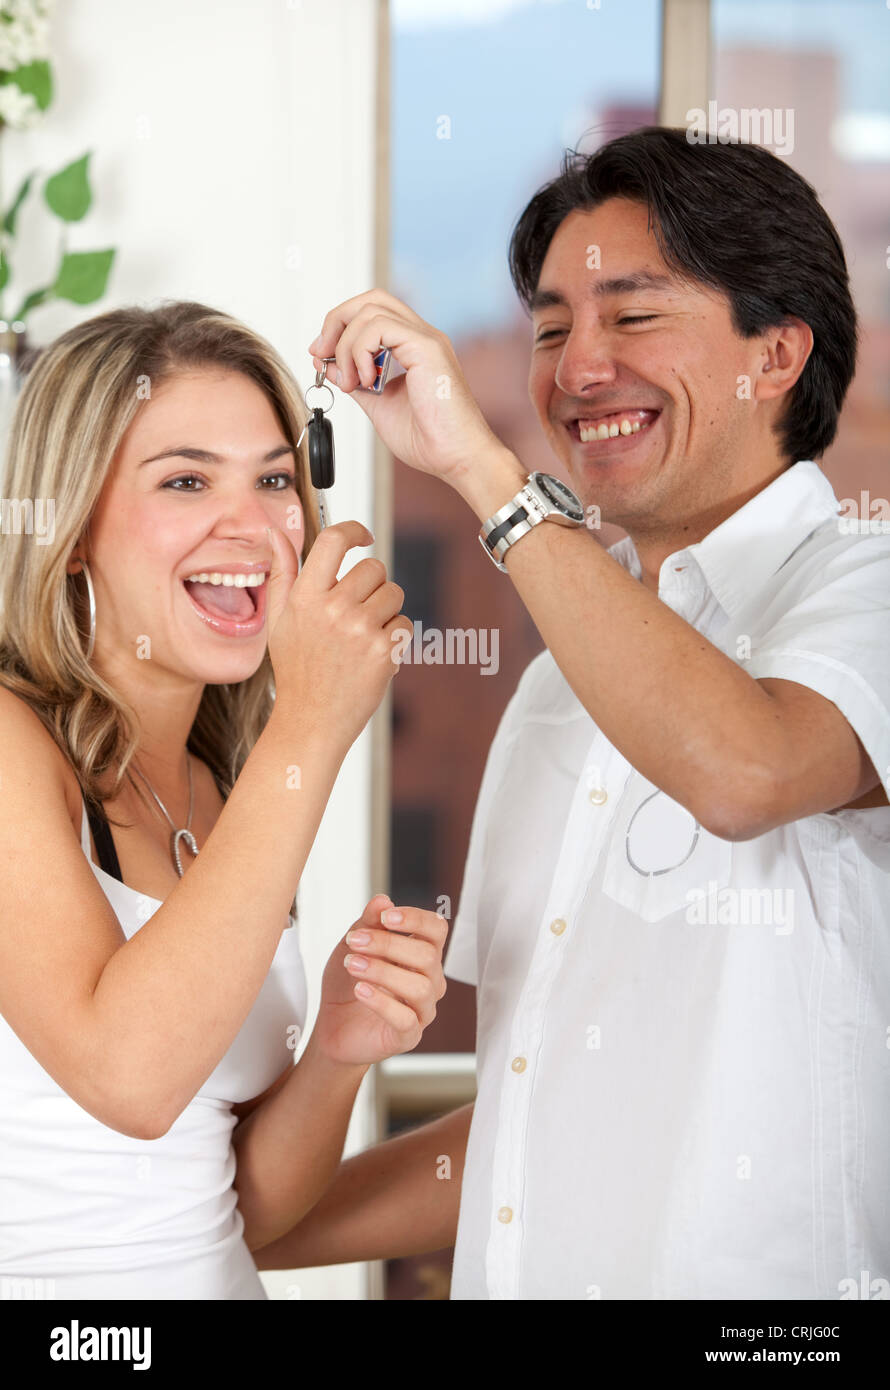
(234, 610)
(620, 426)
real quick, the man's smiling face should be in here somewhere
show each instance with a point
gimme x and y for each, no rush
(630, 346)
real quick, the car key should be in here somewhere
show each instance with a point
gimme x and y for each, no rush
(321, 434)
(320, 447)
(321, 458)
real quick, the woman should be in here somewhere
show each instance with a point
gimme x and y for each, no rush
(150, 1003)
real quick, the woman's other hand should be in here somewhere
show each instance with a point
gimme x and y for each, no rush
(403, 971)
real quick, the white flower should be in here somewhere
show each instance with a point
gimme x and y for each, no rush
(18, 108)
(37, 45)
(26, 9)
(24, 32)
(31, 40)
(9, 59)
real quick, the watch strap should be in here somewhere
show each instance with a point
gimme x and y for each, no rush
(508, 524)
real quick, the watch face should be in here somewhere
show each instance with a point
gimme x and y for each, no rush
(560, 495)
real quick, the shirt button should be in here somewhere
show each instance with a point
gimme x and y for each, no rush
(505, 1215)
(518, 1064)
(557, 926)
(598, 795)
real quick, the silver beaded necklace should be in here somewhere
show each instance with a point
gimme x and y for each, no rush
(177, 835)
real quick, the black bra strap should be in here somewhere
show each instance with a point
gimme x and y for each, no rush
(104, 844)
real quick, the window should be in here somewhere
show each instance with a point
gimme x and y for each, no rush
(816, 74)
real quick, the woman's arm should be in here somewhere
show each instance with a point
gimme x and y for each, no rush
(132, 1028)
(288, 1147)
(395, 1199)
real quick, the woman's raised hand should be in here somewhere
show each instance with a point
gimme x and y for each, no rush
(333, 643)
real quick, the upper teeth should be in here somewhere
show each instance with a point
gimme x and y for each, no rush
(594, 431)
(239, 581)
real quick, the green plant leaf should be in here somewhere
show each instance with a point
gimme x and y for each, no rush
(4, 270)
(35, 78)
(32, 300)
(68, 192)
(9, 219)
(83, 275)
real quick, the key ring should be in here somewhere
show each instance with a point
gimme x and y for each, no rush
(320, 378)
(319, 386)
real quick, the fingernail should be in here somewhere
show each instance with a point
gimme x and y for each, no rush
(358, 938)
(337, 377)
(391, 917)
(355, 963)
(364, 990)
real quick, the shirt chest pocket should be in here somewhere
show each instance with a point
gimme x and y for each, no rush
(660, 860)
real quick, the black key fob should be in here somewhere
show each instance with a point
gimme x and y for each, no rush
(321, 450)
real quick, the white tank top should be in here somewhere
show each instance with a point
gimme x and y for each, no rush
(86, 1212)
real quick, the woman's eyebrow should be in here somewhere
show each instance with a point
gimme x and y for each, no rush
(623, 284)
(185, 451)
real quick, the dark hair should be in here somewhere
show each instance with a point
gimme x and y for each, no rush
(732, 216)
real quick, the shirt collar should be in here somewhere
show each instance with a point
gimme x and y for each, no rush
(745, 550)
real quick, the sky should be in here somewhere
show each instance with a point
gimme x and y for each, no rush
(520, 81)
(517, 91)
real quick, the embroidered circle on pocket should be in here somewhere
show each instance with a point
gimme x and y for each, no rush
(680, 830)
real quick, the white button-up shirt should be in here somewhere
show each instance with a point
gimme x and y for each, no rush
(683, 1042)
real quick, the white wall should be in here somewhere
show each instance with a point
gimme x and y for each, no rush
(233, 164)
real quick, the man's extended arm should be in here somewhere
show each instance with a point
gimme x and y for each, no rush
(742, 755)
(395, 1199)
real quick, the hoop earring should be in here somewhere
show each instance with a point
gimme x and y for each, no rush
(92, 596)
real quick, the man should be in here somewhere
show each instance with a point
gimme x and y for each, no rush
(676, 904)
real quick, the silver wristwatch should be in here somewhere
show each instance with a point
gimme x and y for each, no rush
(544, 498)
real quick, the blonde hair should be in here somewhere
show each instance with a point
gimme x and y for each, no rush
(77, 402)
